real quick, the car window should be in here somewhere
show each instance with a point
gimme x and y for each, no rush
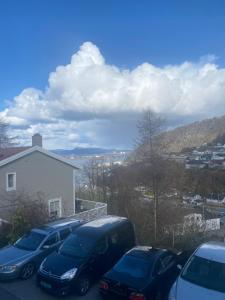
(135, 268)
(102, 246)
(159, 267)
(52, 239)
(64, 233)
(30, 241)
(168, 260)
(114, 238)
(206, 273)
(77, 245)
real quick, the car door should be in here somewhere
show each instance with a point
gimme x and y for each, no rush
(99, 260)
(51, 244)
(165, 272)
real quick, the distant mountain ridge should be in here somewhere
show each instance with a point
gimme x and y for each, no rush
(79, 151)
(210, 131)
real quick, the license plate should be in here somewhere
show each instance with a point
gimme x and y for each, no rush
(45, 285)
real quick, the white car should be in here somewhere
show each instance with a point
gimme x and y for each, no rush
(203, 276)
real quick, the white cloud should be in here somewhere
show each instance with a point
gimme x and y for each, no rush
(88, 89)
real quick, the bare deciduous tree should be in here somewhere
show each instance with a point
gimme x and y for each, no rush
(5, 139)
(149, 147)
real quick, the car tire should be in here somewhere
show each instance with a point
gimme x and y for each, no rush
(83, 285)
(27, 271)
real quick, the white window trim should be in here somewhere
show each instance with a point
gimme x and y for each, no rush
(60, 205)
(8, 189)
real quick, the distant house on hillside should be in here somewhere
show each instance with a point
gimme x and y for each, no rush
(34, 170)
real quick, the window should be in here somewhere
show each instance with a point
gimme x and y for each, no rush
(207, 273)
(168, 261)
(30, 241)
(64, 233)
(55, 208)
(10, 181)
(52, 240)
(159, 268)
(102, 246)
(114, 237)
(77, 246)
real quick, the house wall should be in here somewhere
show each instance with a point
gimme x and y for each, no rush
(38, 172)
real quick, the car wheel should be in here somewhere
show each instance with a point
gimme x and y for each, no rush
(27, 271)
(83, 285)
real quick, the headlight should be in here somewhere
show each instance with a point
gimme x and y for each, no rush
(172, 294)
(7, 269)
(69, 275)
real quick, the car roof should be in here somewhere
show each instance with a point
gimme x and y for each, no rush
(55, 225)
(213, 251)
(101, 226)
(146, 252)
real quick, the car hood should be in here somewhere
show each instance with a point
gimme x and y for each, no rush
(12, 255)
(125, 279)
(58, 264)
(186, 290)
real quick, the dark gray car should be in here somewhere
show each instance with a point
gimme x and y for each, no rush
(24, 257)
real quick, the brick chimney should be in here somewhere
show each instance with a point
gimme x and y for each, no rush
(37, 140)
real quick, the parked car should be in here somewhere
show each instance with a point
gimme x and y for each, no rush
(142, 273)
(203, 276)
(25, 256)
(86, 254)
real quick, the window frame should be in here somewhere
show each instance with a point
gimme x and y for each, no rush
(13, 188)
(60, 206)
(64, 229)
(49, 237)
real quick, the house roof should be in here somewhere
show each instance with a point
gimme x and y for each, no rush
(7, 152)
(11, 154)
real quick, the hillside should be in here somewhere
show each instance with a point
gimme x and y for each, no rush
(208, 131)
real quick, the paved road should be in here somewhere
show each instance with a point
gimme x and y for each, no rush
(27, 290)
(5, 295)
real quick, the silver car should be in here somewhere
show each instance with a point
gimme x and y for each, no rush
(203, 276)
(25, 256)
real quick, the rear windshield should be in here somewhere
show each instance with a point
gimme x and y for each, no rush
(206, 273)
(77, 246)
(132, 266)
(30, 241)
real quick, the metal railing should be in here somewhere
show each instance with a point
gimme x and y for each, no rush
(89, 210)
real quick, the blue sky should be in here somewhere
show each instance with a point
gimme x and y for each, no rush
(36, 36)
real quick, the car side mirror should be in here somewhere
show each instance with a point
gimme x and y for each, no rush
(179, 267)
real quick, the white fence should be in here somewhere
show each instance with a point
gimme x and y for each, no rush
(200, 226)
(91, 210)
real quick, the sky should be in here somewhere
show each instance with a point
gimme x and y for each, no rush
(82, 72)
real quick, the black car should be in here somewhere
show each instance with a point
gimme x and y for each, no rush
(86, 254)
(143, 273)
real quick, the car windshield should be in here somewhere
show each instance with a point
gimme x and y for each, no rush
(77, 246)
(30, 241)
(132, 266)
(206, 273)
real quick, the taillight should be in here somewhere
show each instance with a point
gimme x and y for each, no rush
(137, 296)
(104, 285)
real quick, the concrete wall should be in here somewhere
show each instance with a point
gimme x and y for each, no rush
(38, 172)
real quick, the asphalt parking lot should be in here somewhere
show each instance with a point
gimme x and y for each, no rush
(27, 290)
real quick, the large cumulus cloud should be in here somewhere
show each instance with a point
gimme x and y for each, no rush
(88, 100)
